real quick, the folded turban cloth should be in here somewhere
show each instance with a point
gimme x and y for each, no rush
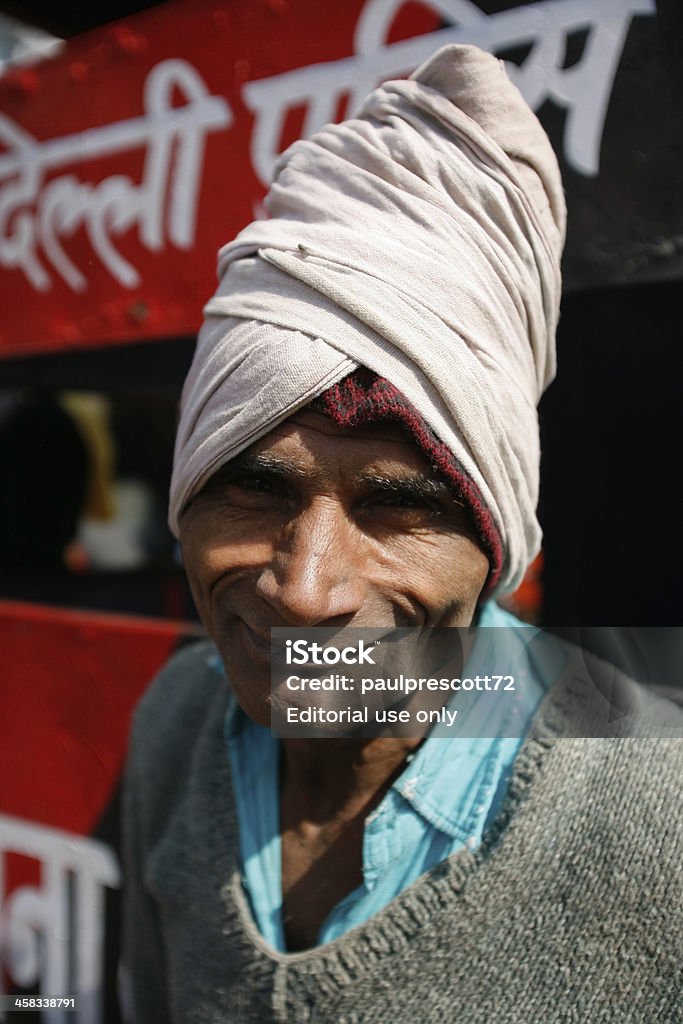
(422, 240)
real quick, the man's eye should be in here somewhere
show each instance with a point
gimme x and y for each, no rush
(246, 491)
(255, 483)
(258, 489)
(403, 503)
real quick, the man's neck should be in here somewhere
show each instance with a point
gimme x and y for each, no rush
(338, 778)
(327, 790)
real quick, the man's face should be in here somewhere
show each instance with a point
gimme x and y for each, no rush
(316, 525)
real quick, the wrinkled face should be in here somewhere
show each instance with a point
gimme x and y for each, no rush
(316, 525)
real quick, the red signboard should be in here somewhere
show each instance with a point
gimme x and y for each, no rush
(131, 157)
(70, 683)
(128, 160)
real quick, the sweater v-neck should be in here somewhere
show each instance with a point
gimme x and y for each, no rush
(347, 956)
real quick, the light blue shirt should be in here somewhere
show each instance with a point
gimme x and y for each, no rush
(448, 794)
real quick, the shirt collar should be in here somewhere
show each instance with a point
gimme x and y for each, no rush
(450, 779)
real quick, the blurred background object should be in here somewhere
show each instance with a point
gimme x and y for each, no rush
(22, 43)
(44, 472)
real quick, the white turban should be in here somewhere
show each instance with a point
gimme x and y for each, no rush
(421, 239)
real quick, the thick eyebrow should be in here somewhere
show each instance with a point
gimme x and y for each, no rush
(418, 486)
(253, 465)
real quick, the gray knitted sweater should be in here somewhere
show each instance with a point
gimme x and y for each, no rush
(570, 910)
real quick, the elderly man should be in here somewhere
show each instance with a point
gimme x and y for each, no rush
(358, 446)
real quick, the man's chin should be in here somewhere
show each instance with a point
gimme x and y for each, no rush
(251, 687)
(256, 706)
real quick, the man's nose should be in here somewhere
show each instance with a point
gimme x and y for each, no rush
(316, 571)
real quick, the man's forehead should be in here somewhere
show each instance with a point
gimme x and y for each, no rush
(310, 440)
